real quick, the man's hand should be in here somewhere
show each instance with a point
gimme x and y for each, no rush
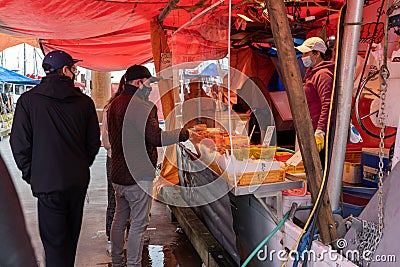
(184, 133)
(320, 139)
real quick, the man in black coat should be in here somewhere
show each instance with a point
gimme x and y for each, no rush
(55, 137)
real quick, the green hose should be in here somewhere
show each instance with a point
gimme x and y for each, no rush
(251, 256)
(285, 150)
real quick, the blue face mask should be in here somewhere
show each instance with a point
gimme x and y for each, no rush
(307, 62)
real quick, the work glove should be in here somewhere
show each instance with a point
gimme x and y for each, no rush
(320, 139)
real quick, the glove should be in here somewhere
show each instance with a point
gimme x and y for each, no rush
(320, 139)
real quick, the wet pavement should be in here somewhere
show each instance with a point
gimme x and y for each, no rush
(168, 246)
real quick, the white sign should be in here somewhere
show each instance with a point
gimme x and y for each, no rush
(268, 135)
(295, 159)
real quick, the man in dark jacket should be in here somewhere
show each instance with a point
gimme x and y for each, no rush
(54, 139)
(134, 135)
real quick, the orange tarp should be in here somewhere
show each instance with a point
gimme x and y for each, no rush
(7, 41)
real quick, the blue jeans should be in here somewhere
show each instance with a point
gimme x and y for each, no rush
(133, 201)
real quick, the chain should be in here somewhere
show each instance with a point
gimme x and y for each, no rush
(383, 89)
(384, 73)
(367, 241)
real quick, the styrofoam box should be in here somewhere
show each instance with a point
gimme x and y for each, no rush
(352, 172)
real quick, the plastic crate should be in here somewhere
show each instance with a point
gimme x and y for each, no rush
(358, 190)
(283, 156)
(355, 199)
(370, 166)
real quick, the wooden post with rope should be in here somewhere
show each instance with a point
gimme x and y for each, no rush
(301, 116)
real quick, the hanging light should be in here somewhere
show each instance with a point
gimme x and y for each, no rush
(308, 15)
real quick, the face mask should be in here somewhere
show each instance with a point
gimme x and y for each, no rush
(307, 62)
(145, 91)
(73, 74)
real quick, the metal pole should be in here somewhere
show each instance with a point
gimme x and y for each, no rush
(24, 59)
(349, 49)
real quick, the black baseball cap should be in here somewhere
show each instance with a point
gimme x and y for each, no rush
(136, 72)
(57, 59)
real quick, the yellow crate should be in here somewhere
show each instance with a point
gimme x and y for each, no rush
(253, 178)
(264, 153)
(296, 169)
(243, 153)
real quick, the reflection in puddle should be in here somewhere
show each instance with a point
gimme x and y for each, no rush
(173, 255)
(158, 256)
(179, 253)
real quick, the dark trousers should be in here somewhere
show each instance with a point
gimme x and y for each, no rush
(60, 219)
(111, 199)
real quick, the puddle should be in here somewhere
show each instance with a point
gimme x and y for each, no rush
(178, 254)
(158, 256)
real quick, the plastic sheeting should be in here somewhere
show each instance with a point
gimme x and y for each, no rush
(7, 41)
(107, 35)
(114, 34)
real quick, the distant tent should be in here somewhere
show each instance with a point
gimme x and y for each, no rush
(9, 76)
(209, 71)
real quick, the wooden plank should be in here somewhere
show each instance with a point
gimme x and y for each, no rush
(208, 248)
(301, 115)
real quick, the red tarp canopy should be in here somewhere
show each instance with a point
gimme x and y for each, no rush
(107, 34)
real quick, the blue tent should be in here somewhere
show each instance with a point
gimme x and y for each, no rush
(9, 76)
(209, 71)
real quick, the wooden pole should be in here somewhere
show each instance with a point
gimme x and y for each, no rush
(168, 8)
(301, 115)
(100, 90)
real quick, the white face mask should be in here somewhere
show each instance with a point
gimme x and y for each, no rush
(307, 62)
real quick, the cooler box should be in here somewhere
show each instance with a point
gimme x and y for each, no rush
(370, 165)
